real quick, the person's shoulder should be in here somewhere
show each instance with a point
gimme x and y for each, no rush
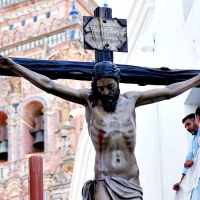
(133, 94)
(85, 93)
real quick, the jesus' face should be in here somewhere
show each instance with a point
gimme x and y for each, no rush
(108, 90)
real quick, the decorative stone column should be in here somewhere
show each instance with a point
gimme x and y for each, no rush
(21, 136)
(67, 135)
(66, 144)
(65, 112)
(65, 132)
(16, 84)
(51, 123)
(12, 140)
(47, 128)
(15, 99)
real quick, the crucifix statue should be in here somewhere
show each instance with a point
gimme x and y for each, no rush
(110, 115)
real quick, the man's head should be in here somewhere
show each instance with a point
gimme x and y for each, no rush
(105, 85)
(197, 114)
(190, 123)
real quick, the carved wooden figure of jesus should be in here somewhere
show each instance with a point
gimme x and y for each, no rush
(111, 124)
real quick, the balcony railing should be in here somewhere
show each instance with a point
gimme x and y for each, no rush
(50, 42)
(6, 3)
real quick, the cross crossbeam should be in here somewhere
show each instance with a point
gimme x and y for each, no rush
(57, 69)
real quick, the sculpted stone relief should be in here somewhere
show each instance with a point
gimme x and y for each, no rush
(56, 57)
(42, 29)
(5, 40)
(64, 171)
(27, 87)
(5, 88)
(17, 36)
(16, 84)
(29, 31)
(65, 112)
(55, 25)
(64, 21)
(69, 54)
(65, 54)
(61, 176)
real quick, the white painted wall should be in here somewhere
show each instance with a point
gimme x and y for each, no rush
(162, 141)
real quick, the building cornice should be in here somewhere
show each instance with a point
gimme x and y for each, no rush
(32, 39)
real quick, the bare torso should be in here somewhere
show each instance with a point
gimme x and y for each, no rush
(113, 134)
(114, 137)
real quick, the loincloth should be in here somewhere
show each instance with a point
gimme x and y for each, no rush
(117, 188)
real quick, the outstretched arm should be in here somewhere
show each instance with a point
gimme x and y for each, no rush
(176, 185)
(173, 90)
(43, 82)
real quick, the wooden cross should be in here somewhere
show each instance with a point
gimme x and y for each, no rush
(56, 69)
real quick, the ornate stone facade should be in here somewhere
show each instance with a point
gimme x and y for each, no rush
(42, 30)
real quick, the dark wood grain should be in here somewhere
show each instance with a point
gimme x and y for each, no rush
(57, 69)
(104, 55)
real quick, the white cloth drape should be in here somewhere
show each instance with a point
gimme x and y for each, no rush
(189, 188)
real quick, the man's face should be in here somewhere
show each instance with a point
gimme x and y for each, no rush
(191, 126)
(108, 90)
(107, 86)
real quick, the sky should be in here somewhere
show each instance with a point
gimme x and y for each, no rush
(109, 2)
(119, 7)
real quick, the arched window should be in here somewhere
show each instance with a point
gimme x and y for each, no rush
(72, 34)
(32, 139)
(38, 133)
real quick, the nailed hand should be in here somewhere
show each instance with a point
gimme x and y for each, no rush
(6, 63)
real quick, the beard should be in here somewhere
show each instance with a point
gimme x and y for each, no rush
(109, 102)
(193, 132)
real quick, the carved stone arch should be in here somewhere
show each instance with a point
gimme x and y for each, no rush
(5, 39)
(25, 103)
(29, 31)
(42, 28)
(54, 24)
(17, 35)
(30, 109)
